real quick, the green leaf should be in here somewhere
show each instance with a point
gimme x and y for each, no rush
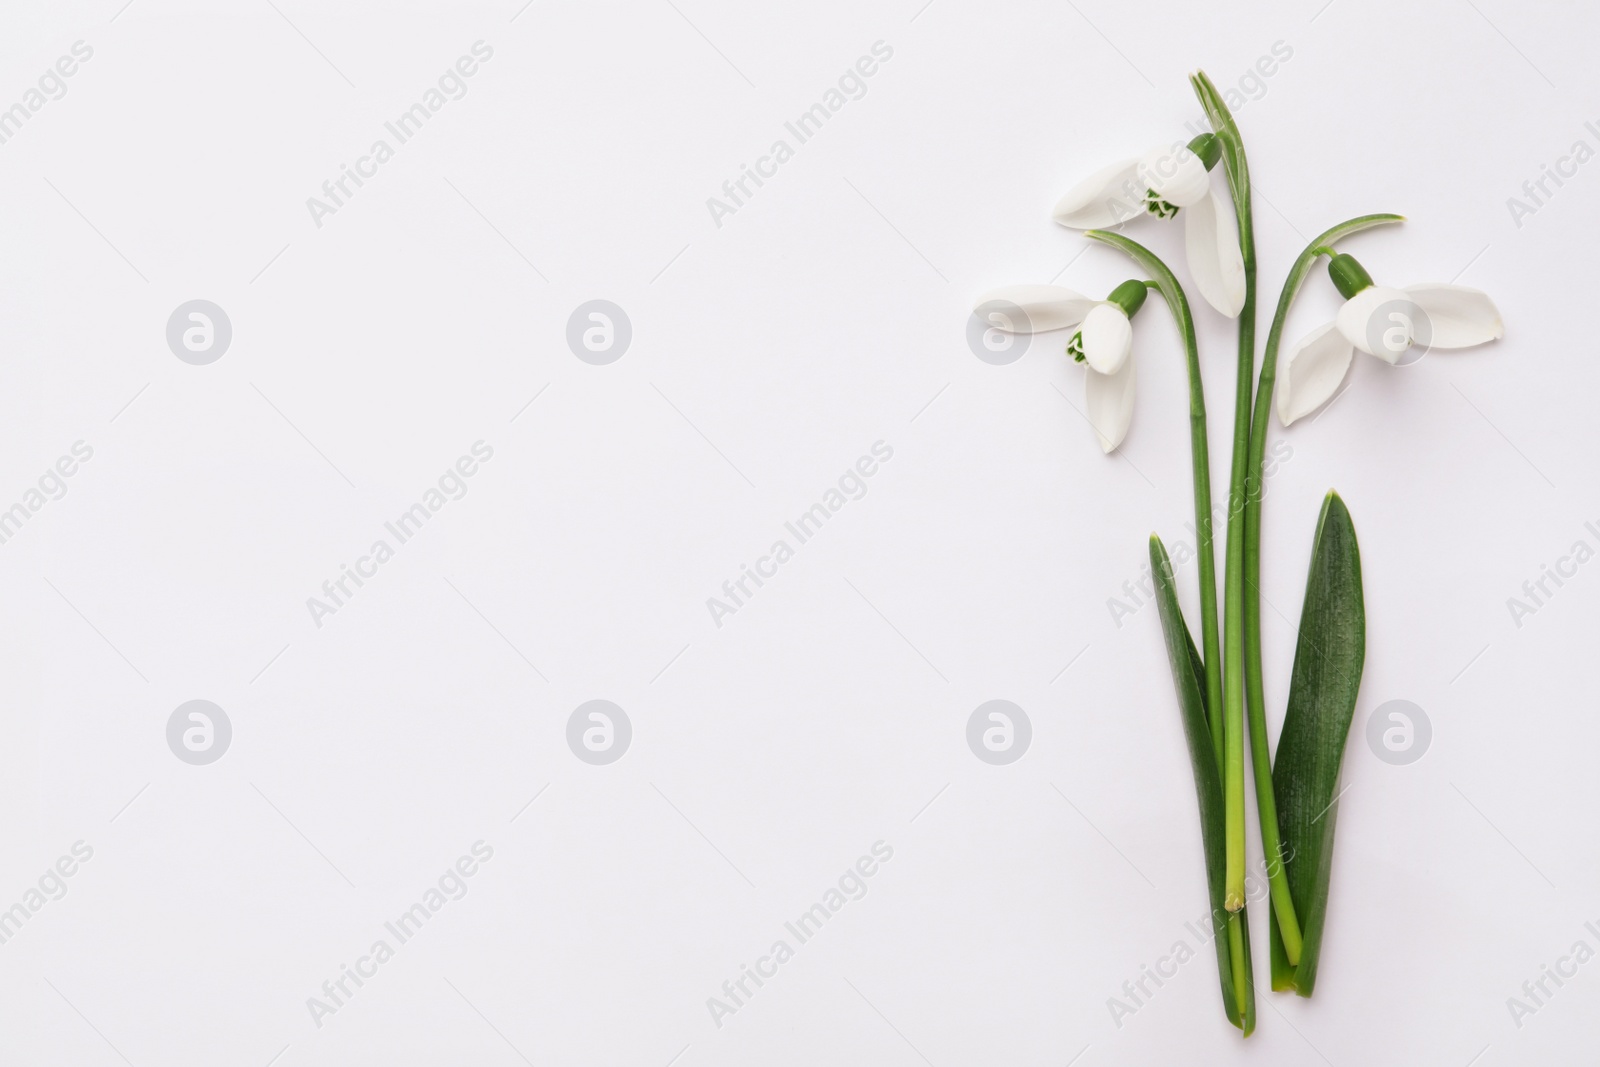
(1322, 700)
(1238, 997)
(1197, 667)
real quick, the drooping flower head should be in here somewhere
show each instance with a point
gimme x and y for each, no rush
(1103, 342)
(1167, 181)
(1396, 325)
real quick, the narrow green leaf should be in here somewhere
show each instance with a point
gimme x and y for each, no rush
(1238, 998)
(1322, 700)
(1197, 667)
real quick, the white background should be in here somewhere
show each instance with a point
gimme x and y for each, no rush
(768, 354)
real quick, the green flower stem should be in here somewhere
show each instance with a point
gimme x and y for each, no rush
(1282, 903)
(1200, 457)
(1238, 171)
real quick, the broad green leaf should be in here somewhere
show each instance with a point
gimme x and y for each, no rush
(1238, 998)
(1322, 700)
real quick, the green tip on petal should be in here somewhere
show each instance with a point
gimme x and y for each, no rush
(1157, 206)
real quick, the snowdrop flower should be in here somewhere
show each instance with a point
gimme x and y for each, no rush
(1396, 325)
(1103, 341)
(1169, 180)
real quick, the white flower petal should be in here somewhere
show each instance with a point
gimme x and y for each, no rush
(1109, 398)
(1032, 308)
(1107, 338)
(1310, 373)
(1382, 322)
(1175, 174)
(1105, 198)
(1458, 317)
(1214, 257)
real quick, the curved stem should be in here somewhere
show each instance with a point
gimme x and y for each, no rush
(1282, 903)
(1200, 458)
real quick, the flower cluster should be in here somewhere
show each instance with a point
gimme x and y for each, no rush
(1219, 677)
(1174, 181)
